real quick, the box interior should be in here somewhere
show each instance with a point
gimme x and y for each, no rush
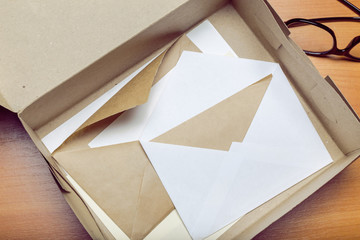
(252, 30)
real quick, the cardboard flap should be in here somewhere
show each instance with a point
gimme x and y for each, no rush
(47, 43)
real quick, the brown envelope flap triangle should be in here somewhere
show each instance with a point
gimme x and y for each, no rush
(121, 180)
(134, 93)
(222, 124)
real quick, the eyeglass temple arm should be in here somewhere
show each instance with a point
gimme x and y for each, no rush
(351, 6)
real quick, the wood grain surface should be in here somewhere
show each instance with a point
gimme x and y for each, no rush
(32, 207)
(333, 212)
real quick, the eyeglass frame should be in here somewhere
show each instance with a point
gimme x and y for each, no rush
(316, 22)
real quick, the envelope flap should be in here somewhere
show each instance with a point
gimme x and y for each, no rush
(221, 125)
(134, 93)
(44, 43)
(122, 181)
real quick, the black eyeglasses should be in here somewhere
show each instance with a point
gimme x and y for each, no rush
(328, 44)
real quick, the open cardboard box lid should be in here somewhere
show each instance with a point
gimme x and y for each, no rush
(43, 44)
(61, 45)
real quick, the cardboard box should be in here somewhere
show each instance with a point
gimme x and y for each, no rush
(65, 61)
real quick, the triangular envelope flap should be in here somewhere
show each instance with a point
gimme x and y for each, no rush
(123, 183)
(134, 93)
(222, 124)
(131, 91)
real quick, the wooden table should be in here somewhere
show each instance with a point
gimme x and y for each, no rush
(32, 207)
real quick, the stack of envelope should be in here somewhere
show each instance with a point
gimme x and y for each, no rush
(188, 143)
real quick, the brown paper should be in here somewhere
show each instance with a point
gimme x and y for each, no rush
(121, 180)
(222, 124)
(134, 93)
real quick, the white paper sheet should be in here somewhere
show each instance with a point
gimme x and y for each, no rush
(213, 188)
